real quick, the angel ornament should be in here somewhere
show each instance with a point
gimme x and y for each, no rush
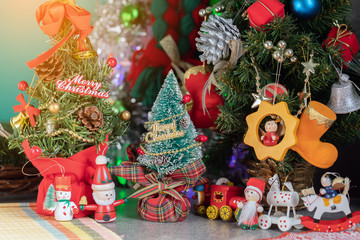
(273, 131)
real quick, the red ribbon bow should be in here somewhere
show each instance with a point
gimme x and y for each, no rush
(24, 107)
(50, 16)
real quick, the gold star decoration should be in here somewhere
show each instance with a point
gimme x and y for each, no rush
(258, 99)
(309, 67)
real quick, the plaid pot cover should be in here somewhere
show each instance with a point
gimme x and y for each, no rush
(161, 200)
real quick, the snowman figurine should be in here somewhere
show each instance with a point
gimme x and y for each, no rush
(63, 209)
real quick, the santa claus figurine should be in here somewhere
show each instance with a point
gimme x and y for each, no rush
(64, 209)
(103, 193)
(270, 138)
(248, 218)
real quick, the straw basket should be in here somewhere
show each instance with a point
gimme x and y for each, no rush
(300, 178)
(13, 181)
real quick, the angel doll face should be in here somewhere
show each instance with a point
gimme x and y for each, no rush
(271, 126)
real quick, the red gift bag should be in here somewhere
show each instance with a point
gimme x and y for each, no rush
(80, 167)
(264, 11)
(348, 41)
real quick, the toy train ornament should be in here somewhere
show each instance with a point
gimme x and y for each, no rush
(218, 200)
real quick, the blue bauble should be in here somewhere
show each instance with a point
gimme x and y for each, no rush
(305, 8)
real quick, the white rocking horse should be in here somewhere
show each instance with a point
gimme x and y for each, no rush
(340, 203)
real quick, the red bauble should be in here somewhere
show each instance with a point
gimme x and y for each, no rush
(35, 152)
(112, 62)
(274, 88)
(201, 138)
(194, 84)
(23, 85)
(186, 98)
(140, 151)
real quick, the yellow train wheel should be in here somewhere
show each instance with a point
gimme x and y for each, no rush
(212, 212)
(237, 213)
(201, 210)
(226, 213)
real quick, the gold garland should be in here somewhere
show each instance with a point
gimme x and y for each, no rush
(73, 134)
(74, 110)
(170, 152)
(42, 107)
(162, 120)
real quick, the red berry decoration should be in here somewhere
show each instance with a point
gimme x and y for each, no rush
(112, 62)
(186, 98)
(201, 138)
(140, 151)
(35, 151)
(23, 85)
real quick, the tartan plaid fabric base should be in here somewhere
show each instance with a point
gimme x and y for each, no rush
(159, 202)
(163, 208)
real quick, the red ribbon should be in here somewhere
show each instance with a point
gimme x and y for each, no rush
(50, 16)
(24, 107)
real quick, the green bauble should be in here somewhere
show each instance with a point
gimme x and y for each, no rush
(132, 14)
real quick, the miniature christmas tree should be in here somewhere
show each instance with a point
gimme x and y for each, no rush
(172, 142)
(50, 201)
(66, 111)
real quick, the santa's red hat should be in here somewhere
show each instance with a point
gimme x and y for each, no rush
(256, 185)
(102, 179)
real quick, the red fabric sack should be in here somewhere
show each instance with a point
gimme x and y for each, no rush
(80, 167)
(264, 11)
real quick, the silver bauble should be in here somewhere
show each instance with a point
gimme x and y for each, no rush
(218, 9)
(293, 59)
(281, 44)
(276, 55)
(208, 10)
(289, 53)
(268, 45)
(202, 13)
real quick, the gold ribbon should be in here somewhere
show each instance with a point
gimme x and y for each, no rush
(340, 34)
(170, 48)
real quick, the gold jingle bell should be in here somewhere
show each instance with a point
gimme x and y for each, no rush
(88, 53)
(19, 120)
(51, 125)
(125, 115)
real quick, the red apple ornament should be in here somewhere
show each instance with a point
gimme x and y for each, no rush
(35, 152)
(112, 62)
(23, 85)
(140, 151)
(186, 99)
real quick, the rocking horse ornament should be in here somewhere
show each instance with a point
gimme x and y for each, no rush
(330, 203)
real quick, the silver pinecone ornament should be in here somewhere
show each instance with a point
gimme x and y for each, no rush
(161, 160)
(215, 34)
(184, 122)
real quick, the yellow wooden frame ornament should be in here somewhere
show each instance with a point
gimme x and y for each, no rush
(289, 140)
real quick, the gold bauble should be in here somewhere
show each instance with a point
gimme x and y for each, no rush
(125, 115)
(54, 107)
(19, 120)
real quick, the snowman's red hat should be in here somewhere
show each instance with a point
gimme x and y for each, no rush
(102, 179)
